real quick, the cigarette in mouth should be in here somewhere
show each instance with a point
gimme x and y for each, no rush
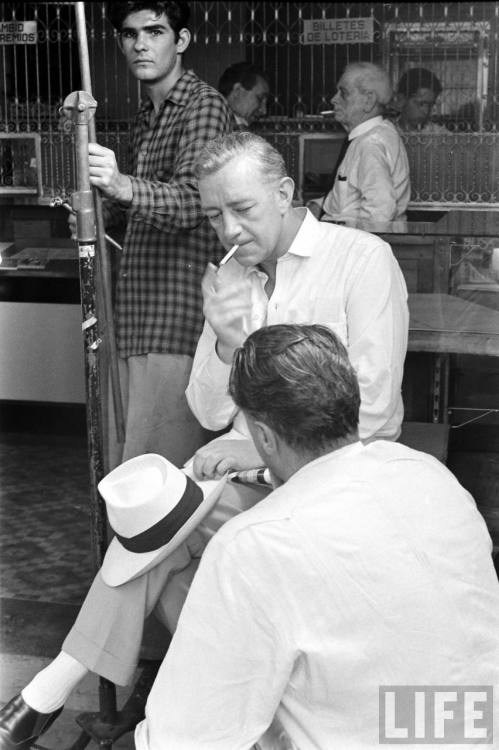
(327, 112)
(228, 256)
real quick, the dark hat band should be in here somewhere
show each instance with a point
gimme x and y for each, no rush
(164, 530)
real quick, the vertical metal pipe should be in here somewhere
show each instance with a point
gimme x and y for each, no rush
(107, 691)
(101, 242)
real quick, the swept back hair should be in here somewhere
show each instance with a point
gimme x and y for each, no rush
(298, 380)
(371, 77)
(218, 152)
(244, 73)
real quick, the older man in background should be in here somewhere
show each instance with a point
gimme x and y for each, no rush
(246, 89)
(371, 187)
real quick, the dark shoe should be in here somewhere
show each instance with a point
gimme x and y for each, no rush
(21, 725)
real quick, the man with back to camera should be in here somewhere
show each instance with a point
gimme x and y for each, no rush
(167, 242)
(246, 89)
(371, 187)
(367, 566)
(288, 268)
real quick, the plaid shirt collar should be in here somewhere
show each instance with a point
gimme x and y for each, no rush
(178, 94)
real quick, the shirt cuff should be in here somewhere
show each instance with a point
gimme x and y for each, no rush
(216, 371)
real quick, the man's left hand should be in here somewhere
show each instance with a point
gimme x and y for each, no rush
(105, 175)
(221, 455)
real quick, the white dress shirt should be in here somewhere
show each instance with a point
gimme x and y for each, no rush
(372, 187)
(343, 278)
(369, 567)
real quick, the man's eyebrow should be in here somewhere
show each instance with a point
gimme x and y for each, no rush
(231, 204)
(147, 27)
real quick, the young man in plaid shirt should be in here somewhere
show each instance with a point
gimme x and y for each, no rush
(167, 242)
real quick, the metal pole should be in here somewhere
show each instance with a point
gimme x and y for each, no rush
(58, 201)
(107, 690)
(80, 107)
(101, 234)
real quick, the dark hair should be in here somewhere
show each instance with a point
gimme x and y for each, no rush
(418, 78)
(177, 13)
(298, 380)
(244, 73)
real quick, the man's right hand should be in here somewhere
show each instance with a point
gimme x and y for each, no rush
(224, 454)
(227, 308)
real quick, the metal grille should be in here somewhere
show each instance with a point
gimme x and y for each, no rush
(457, 41)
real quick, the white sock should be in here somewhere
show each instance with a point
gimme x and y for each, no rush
(51, 687)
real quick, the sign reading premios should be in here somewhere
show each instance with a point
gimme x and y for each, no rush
(17, 32)
(338, 31)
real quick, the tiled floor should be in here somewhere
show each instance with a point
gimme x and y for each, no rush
(45, 566)
(44, 519)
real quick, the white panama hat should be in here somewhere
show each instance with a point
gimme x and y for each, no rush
(152, 507)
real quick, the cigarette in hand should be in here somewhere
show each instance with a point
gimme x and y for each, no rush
(228, 256)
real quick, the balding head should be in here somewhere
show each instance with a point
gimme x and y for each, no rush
(369, 77)
(363, 91)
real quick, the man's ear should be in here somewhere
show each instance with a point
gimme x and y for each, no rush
(370, 101)
(236, 93)
(286, 192)
(265, 438)
(184, 39)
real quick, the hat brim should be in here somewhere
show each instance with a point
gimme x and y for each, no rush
(120, 565)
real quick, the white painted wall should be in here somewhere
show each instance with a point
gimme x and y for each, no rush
(41, 352)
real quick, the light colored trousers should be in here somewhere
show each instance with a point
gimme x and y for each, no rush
(157, 420)
(107, 634)
(157, 416)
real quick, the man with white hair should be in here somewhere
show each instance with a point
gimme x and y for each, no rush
(370, 188)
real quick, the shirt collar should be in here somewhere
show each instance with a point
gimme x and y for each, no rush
(338, 455)
(365, 127)
(178, 94)
(241, 121)
(305, 239)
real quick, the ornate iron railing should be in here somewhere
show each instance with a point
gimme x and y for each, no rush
(458, 41)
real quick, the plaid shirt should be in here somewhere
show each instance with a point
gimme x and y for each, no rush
(168, 242)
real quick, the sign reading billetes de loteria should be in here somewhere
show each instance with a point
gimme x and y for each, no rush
(337, 31)
(18, 32)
